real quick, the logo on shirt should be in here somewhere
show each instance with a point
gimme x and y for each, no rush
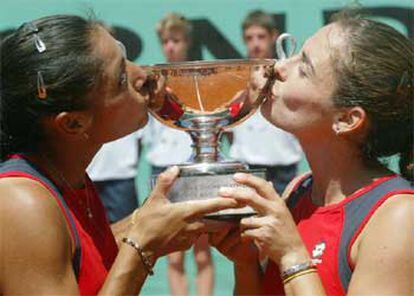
(318, 250)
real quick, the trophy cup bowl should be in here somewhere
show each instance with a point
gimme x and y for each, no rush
(204, 98)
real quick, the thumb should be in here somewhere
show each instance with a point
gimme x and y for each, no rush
(164, 182)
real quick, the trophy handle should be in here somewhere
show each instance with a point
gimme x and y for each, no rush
(281, 53)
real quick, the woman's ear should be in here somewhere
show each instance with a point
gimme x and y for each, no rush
(73, 124)
(350, 121)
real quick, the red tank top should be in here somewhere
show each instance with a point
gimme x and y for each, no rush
(98, 248)
(329, 231)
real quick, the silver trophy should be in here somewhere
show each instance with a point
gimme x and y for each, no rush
(204, 98)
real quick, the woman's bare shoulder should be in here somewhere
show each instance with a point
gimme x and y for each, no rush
(29, 210)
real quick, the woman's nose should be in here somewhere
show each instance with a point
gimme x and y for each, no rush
(168, 46)
(280, 69)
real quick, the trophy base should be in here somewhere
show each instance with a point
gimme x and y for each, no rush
(203, 180)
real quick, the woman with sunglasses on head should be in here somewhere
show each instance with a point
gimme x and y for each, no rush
(345, 228)
(67, 88)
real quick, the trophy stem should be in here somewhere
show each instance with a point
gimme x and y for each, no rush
(205, 132)
(206, 146)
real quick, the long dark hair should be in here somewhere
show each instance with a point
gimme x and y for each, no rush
(375, 71)
(67, 66)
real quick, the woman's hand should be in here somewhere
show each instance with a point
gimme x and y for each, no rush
(273, 230)
(229, 243)
(162, 227)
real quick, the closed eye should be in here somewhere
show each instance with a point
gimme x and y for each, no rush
(123, 79)
(123, 76)
(307, 63)
(302, 72)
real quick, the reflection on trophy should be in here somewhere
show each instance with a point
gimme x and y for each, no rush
(203, 99)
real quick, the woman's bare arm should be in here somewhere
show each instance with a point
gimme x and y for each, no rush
(36, 244)
(383, 254)
(36, 248)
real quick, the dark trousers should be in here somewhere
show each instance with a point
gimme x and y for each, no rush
(119, 197)
(156, 170)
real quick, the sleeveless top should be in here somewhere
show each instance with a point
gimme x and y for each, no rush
(330, 231)
(95, 246)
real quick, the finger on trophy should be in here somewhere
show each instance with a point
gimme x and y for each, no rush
(213, 226)
(164, 181)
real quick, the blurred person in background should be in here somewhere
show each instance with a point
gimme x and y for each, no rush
(255, 141)
(168, 146)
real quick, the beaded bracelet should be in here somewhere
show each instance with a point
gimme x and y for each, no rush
(144, 257)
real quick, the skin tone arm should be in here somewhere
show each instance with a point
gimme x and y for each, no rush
(244, 255)
(36, 250)
(384, 250)
(380, 251)
(36, 244)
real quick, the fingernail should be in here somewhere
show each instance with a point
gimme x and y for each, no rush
(173, 170)
(225, 191)
(239, 176)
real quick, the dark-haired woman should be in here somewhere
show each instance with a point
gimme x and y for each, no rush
(67, 88)
(346, 228)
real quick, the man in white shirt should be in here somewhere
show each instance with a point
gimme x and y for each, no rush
(166, 147)
(113, 171)
(255, 141)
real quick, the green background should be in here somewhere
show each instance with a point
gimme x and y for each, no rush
(303, 18)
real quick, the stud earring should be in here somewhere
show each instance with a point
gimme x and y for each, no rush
(337, 130)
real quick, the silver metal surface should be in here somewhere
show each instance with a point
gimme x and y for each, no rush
(197, 185)
(204, 98)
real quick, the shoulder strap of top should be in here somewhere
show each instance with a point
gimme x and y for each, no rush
(20, 166)
(357, 214)
(299, 190)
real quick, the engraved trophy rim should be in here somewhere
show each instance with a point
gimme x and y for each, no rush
(200, 64)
